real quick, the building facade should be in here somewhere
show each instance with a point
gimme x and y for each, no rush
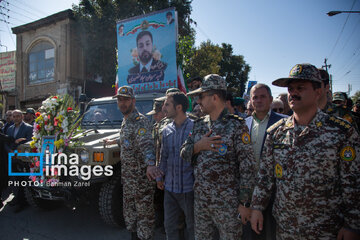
(49, 60)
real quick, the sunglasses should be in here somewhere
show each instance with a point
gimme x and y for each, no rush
(278, 109)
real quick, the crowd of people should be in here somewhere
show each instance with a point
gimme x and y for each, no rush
(283, 168)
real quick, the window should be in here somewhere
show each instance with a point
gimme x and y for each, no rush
(41, 63)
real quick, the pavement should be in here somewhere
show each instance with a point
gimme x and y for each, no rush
(60, 224)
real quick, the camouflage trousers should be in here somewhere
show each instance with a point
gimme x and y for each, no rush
(138, 207)
(283, 234)
(224, 219)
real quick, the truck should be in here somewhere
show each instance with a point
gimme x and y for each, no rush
(101, 120)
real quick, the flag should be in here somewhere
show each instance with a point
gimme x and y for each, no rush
(181, 82)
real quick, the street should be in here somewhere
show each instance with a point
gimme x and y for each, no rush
(59, 224)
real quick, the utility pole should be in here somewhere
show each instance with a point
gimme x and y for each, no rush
(326, 69)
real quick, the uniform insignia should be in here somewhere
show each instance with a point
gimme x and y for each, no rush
(278, 171)
(123, 90)
(233, 116)
(137, 118)
(319, 124)
(126, 143)
(339, 122)
(348, 118)
(279, 146)
(275, 125)
(223, 149)
(245, 137)
(141, 131)
(296, 70)
(347, 153)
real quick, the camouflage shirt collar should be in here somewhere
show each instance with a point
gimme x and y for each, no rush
(134, 114)
(316, 122)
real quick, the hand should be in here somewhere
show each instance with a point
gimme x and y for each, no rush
(257, 221)
(108, 141)
(17, 141)
(245, 213)
(345, 234)
(160, 185)
(207, 143)
(152, 172)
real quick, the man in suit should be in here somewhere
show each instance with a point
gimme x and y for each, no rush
(260, 120)
(144, 44)
(19, 129)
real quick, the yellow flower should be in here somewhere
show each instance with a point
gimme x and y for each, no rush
(32, 144)
(59, 143)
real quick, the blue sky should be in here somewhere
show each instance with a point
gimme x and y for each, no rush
(272, 36)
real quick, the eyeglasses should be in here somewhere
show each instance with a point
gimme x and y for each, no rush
(278, 109)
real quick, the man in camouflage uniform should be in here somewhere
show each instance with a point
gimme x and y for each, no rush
(311, 161)
(330, 108)
(220, 151)
(137, 167)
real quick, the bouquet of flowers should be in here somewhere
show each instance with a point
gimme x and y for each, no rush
(57, 118)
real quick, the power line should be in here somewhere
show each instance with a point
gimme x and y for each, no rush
(342, 30)
(20, 14)
(31, 7)
(32, 13)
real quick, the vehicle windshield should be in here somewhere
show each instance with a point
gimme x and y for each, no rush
(107, 114)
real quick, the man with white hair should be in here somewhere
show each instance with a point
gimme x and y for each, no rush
(277, 106)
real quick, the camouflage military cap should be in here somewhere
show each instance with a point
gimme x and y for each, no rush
(125, 91)
(170, 90)
(339, 96)
(157, 106)
(210, 82)
(304, 71)
(238, 101)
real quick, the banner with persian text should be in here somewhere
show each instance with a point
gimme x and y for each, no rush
(7, 71)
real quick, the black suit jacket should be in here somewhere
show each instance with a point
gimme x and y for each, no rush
(156, 65)
(25, 131)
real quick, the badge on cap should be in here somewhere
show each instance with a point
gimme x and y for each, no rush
(245, 137)
(347, 153)
(123, 90)
(278, 171)
(222, 149)
(296, 70)
(141, 131)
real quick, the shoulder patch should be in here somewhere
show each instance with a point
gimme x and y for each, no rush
(339, 122)
(141, 131)
(347, 153)
(276, 125)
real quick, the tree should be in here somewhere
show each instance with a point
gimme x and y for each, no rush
(210, 58)
(356, 96)
(97, 27)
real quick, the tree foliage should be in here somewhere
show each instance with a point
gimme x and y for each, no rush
(356, 96)
(210, 58)
(97, 27)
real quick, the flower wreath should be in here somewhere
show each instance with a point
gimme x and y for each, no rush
(56, 117)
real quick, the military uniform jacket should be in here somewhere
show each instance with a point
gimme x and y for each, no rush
(342, 112)
(157, 134)
(136, 146)
(222, 178)
(316, 174)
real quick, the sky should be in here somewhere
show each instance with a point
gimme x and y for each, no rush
(273, 36)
